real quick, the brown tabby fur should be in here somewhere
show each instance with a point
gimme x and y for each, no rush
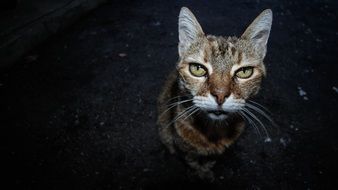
(196, 135)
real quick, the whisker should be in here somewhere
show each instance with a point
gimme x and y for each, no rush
(244, 116)
(173, 105)
(259, 121)
(260, 105)
(177, 97)
(183, 101)
(258, 110)
(191, 113)
(226, 122)
(181, 114)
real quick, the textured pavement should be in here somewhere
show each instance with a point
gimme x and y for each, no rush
(79, 111)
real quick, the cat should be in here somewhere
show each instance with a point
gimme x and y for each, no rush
(202, 106)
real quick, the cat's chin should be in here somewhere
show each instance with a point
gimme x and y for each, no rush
(217, 115)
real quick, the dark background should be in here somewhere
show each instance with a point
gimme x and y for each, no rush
(79, 110)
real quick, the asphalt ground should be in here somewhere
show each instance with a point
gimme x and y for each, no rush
(79, 111)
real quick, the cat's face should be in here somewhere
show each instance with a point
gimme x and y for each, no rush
(221, 73)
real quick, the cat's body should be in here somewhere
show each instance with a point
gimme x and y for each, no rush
(194, 134)
(202, 104)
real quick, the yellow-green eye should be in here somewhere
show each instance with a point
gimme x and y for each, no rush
(197, 70)
(244, 72)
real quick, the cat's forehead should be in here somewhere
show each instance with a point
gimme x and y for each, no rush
(223, 52)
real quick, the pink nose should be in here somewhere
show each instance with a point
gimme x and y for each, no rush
(219, 95)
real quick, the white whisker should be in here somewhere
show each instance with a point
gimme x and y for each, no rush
(260, 105)
(191, 113)
(176, 97)
(181, 114)
(258, 110)
(170, 106)
(179, 102)
(259, 121)
(243, 114)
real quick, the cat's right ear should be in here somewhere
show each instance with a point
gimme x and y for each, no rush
(189, 30)
(259, 30)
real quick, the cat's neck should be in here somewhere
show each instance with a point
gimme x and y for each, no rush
(213, 130)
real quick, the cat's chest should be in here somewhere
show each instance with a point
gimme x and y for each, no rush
(211, 142)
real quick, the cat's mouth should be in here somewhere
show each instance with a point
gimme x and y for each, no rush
(217, 114)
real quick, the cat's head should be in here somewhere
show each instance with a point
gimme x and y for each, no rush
(221, 73)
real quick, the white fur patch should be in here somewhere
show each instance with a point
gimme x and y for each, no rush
(217, 117)
(209, 104)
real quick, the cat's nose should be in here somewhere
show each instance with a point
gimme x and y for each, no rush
(219, 95)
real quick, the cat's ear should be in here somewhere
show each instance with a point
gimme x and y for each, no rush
(189, 30)
(259, 30)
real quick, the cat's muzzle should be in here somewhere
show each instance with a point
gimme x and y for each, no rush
(218, 112)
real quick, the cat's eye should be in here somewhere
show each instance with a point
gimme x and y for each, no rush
(244, 72)
(197, 70)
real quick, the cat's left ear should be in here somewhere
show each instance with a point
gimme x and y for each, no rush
(259, 30)
(189, 30)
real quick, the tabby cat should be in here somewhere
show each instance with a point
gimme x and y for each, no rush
(204, 101)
